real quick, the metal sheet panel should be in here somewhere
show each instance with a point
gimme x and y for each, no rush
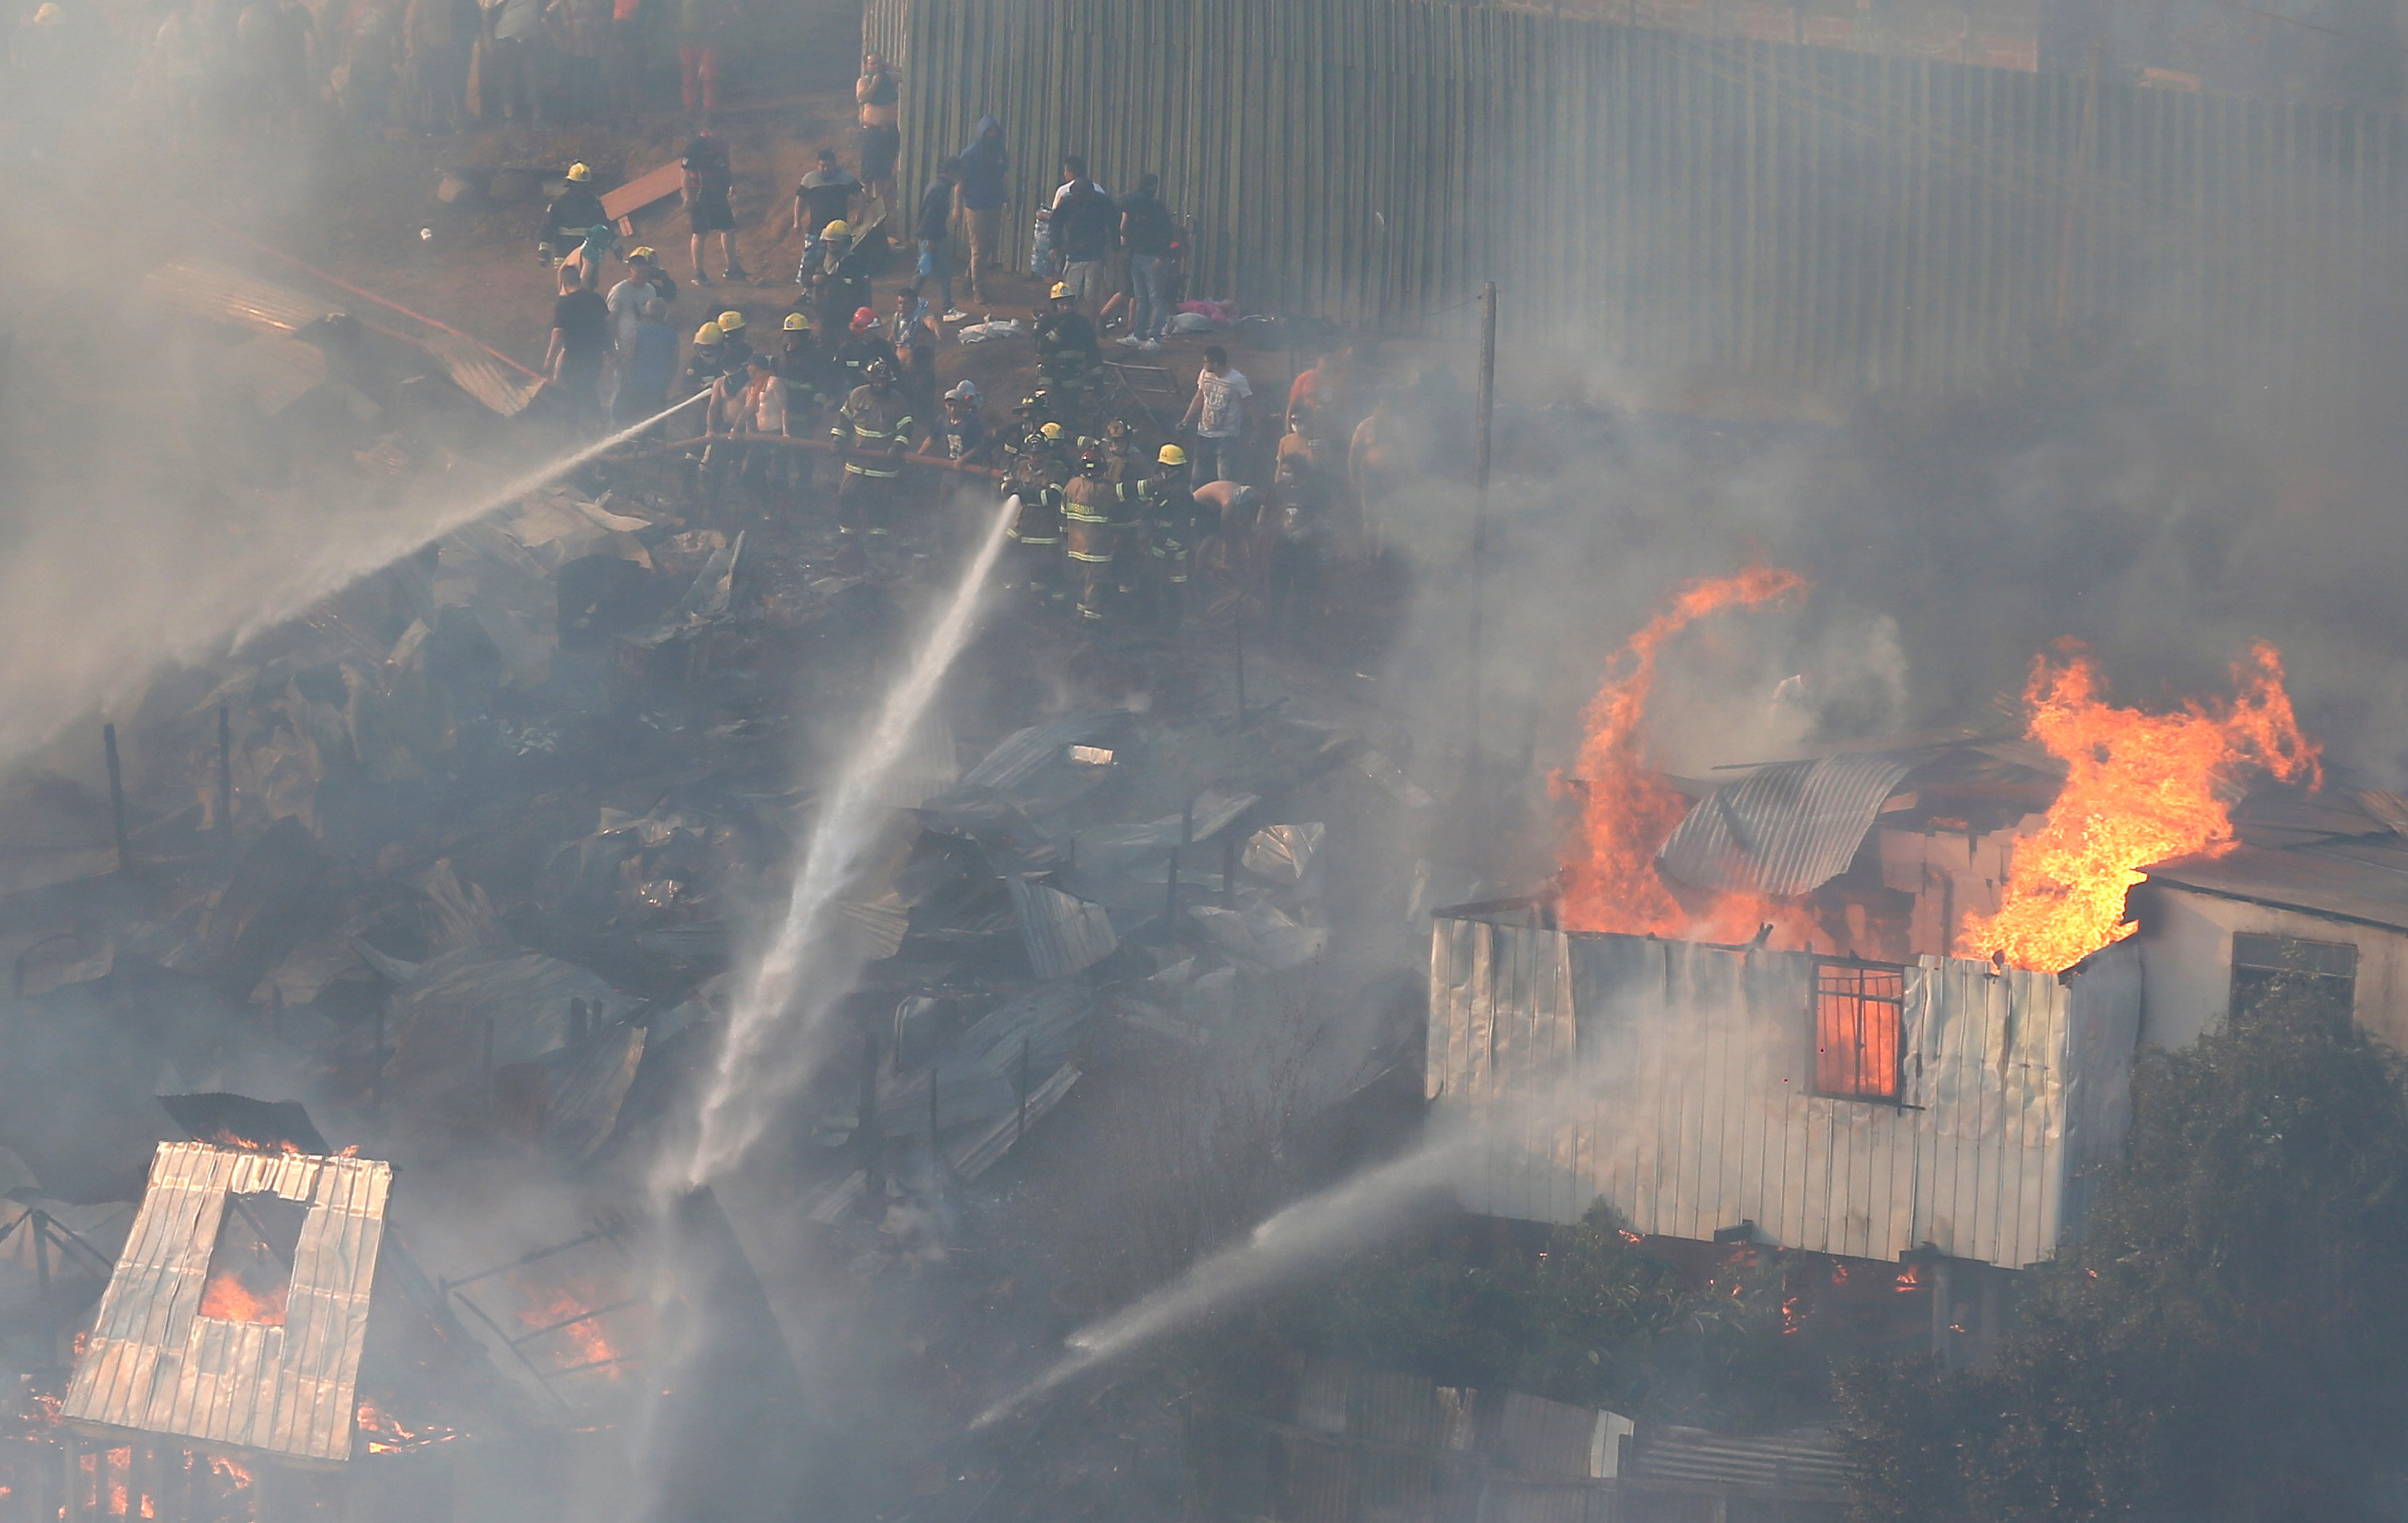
(153, 1363)
(218, 292)
(1784, 829)
(1064, 935)
(2355, 879)
(1832, 217)
(1691, 1107)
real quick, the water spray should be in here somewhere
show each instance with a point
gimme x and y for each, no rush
(777, 1030)
(1346, 1215)
(1350, 1215)
(327, 580)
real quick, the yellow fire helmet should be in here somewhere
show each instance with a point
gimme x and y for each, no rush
(1170, 454)
(579, 173)
(708, 334)
(1061, 288)
(731, 322)
(797, 323)
(645, 251)
(1052, 431)
(837, 230)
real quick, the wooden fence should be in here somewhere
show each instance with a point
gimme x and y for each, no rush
(1690, 204)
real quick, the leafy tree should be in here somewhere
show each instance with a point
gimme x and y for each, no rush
(1589, 1317)
(2225, 1339)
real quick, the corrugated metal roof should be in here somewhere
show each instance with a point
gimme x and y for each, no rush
(588, 1083)
(1017, 757)
(1808, 1464)
(1784, 829)
(1540, 1437)
(2358, 878)
(979, 1074)
(1064, 934)
(218, 292)
(475, 371)
(155, 1365)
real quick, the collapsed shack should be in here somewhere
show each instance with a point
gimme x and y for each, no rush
(263, 1350)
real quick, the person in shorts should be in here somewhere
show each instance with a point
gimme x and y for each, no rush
(707, 210)
(879, 96)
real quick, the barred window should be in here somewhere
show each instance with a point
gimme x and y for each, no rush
(1858, 1010)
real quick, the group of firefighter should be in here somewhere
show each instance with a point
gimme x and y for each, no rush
(1104, 532)
(1101, 531)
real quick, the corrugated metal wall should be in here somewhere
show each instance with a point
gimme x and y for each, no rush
(1694, 1069)
(1827, 215)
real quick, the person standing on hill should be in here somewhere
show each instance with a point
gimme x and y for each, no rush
(824, 197)
(434, 62)
(879, 94)
(708, 182)
(1086, 225)
(645, 367)
(1223, 405)
(985, 169)
(699, 26)
(933, 230)
(1147, 231)
(581, 339)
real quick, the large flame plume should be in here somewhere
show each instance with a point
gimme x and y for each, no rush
(2141, 788)
(1609, 875)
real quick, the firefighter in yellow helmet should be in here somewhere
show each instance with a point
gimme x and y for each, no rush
(1035, 476)
(1091, 521)
(710, 361)
(1066, 349)
(871, 433)
(573, 214)
(1170, 524)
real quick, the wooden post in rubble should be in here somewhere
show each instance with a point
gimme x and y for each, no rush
(1481, 459)
(116, 795)
(225, 771)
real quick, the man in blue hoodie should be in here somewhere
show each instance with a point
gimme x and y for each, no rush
(984, 167)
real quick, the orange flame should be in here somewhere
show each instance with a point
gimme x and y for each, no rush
(1910, 1278)
(1609, 878)
(2142, 788)
(226, 1296)
(232, 1471)
(581, 1342)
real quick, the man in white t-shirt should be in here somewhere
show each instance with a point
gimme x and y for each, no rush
(1219, 414)
(627, 305)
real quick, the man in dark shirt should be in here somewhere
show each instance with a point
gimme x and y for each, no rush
(933, 230)
(986, 166)
(581, 339)
(707, 178)
(826, 196)
(1086, 226)
(1147, 231)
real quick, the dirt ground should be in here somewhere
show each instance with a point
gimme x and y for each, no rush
(475, 268)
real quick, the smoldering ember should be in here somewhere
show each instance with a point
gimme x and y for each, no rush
(1226, 761)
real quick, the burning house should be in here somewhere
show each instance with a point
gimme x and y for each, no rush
(1881, 1000)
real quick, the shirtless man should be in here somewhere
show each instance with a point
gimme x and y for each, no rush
(879, 96)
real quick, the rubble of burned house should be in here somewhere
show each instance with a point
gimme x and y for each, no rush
(1871, 1093)
(465, 857)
